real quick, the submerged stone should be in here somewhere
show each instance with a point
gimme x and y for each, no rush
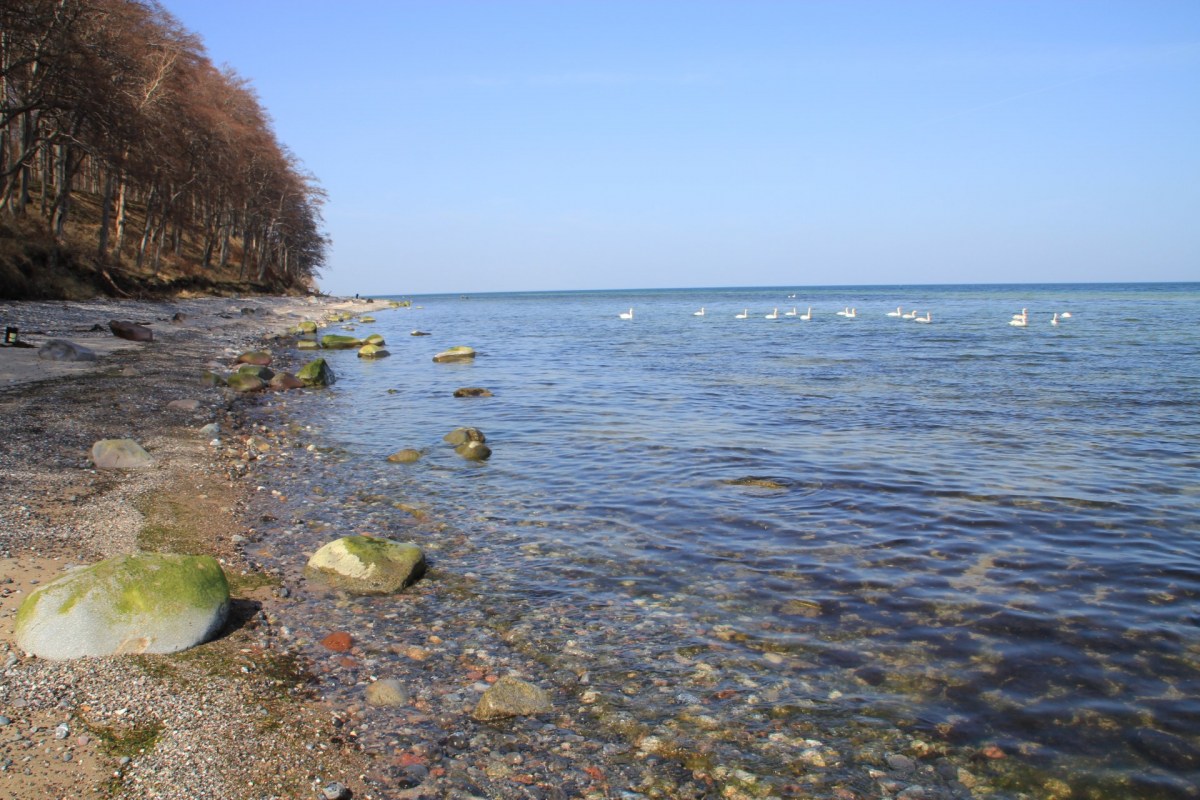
(336, 341)
(406, 456)
(62, 350)
(368, 564)
(372, 351)
(474, 451)
(472, 391)
(455, 354)
(759, 482)
(463, 435)
(511, 697)
(144, 603)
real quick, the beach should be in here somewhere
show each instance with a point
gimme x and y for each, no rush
(235, 718)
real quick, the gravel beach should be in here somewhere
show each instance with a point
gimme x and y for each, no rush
(235, 718)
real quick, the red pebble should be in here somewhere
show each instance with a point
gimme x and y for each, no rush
(338, 642)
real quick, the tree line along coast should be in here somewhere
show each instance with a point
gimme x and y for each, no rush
(130, 164)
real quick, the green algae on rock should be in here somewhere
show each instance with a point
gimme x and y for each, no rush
(245, 382)
(372, 351)
(456, 354)
(336, 341)
(142, 603)
(258, 357)
(316, 373)
(368, 564)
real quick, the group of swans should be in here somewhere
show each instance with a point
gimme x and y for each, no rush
(1022, 320)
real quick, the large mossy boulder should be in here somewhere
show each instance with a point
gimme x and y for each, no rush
(307, 326)
(120, 454)
(372, 351)
(368, 564)
(336, 341)
(316, 373)
(143, 603)
(266, 373)
(245, 382)
(456, 354)
(375, 338)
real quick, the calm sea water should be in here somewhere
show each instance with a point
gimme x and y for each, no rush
(980, 534)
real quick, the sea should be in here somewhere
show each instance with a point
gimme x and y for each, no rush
(773, 526)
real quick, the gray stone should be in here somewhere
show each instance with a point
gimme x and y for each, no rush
(120, 454)
(387, 692)
(511, 697)
(143, 603)
(62, 350)
(368, 564)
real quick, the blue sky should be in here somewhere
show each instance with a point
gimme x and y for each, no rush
(493, 146)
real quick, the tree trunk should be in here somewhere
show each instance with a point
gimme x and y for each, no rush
(105, 218)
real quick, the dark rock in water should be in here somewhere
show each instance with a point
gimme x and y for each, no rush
(418, 333)
(282, 381)
(463, 435)
(316, 373)
(179, 317)
(406, 456)
(760, 482)
(472, 391)
(872, 676)
(1165, 749)
(248, 311)
(131, 331)
(62, 350)
(474, 451)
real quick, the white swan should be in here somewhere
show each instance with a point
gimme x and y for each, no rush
(896, 313)
(845, 312)
(926, 319)
(1066, 315)
(627, 314)
(1055, 320)
(807, 316)
(1023, 315)
(773, 315)
(910, 315)
(742, 315)
(1018, 321)
(852, 313)
(791, 313)
(699, 313)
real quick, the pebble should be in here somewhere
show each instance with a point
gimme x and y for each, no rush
(4, 721)
(335, 791)
(62, 731)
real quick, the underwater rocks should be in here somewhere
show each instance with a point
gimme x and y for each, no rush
(455, 354)
(368, 564)
(144, 603)
(472, 391)
(511, 697)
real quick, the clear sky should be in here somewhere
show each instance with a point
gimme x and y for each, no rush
(588, 144)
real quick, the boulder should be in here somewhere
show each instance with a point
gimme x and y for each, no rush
(131, 331)
(119, 454)
(474, 451)
(245, 382)
(62, 350)
(407, 456)
(316, 373)
(258, 357)
(308, 326)
(308, 344)
(143, 603)
(368, 564)
(375, 338)
(266, 373)
(419, 333)
(463, 435)
(283, 381)
(372, 351)
(455, 354)
(336, 341)
(210, 378)
(511, 697)
(472, 391)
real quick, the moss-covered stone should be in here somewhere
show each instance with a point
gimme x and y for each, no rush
(406, 456)
(259, 357)
(366, 319)
(307, 326)
(456, 354)
(316, 373)
(375, 338)
(308, 344)
(245, 382)
(372, 351)
(257, 370)
(209, 378)
(337, 341)
(143, 603)
(368, 564)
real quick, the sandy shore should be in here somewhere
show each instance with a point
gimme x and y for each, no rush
(235, 718)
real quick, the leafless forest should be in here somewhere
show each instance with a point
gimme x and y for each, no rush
(118, 131)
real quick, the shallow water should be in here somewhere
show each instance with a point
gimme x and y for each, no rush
(980, 534)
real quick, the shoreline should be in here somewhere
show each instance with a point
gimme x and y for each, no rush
(235, 717)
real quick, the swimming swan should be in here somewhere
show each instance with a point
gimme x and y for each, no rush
(627, 314)
(896, 313)
(852, 313)
(926, 319)
(807, 316)
(910, 315)
(791, 313)
(742, 315)
(773, 315)
(699, 313)
(1018, 321)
